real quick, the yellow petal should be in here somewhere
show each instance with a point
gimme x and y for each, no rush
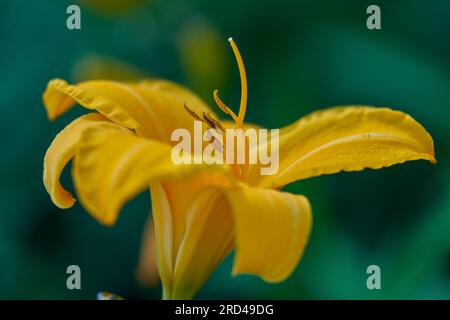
(171, 206)
(271, 230)
(168, 100)
(62, 150)
(163, 222)
(112, 167)
(154, 108)
(347, 139)
(208, 239)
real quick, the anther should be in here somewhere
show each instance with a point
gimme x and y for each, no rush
(192, 113)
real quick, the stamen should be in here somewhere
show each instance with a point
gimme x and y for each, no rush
(243, 105)
(192, 113)
(207, 118)
(224, 107)
(216, 124)
(208, 121)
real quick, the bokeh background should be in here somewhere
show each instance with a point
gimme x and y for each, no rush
(300, 56)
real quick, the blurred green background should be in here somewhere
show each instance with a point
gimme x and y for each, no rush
(300, 56)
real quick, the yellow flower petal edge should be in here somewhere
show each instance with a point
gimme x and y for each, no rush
(112, 167)
(164, 234)
(271, 230)
(168, 100)
(62, 150)
(153, 108)
(347, 139)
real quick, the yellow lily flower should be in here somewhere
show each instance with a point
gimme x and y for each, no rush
(201, 212)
